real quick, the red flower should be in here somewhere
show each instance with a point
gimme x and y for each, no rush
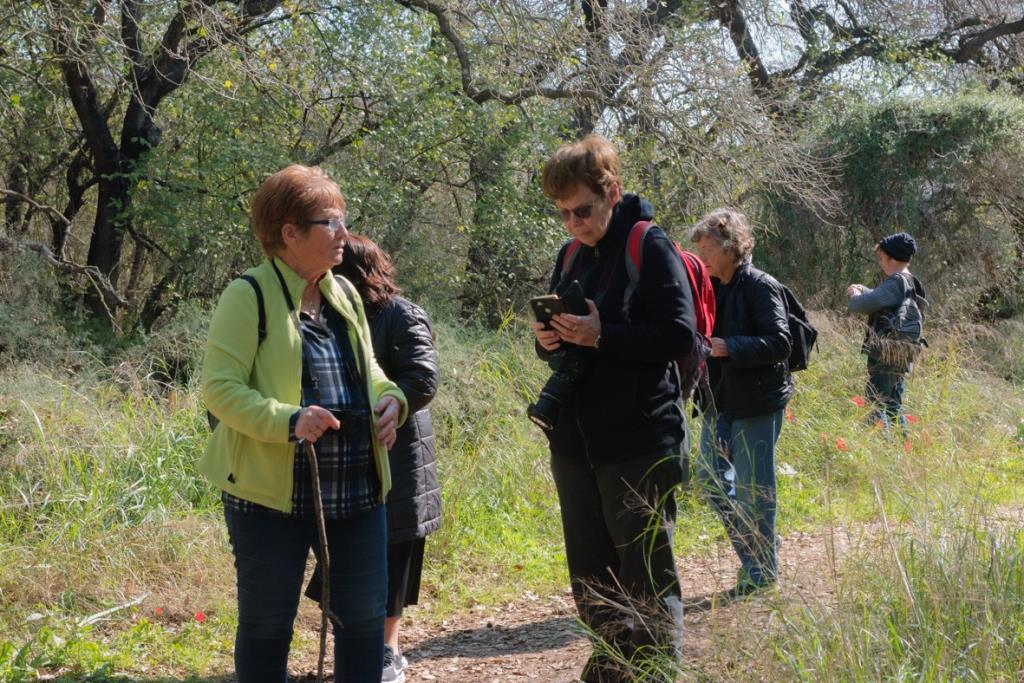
(906, 446)
(200, 617)
(789, 415)
(159, 611)
(912, 419)
(858, 401)
(841, 444)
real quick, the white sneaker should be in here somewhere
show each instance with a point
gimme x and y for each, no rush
(393, 667)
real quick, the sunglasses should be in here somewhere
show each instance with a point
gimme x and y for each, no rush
(334, 225)
(581, 212)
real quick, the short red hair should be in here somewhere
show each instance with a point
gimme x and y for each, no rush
(292, 195)
(591, 162)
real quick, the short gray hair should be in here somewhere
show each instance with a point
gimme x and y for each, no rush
(729, 228)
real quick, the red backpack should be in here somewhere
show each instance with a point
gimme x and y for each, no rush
(693, 365)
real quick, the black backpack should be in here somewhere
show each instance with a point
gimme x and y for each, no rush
(801, 330)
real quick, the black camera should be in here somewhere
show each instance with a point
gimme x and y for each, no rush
(568, 364)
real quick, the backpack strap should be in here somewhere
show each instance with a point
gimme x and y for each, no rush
(634, 261)
(261, 332)
(909, 291)
(261, 328)
(572, 249)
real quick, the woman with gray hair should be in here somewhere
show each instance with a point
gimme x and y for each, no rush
(750, 385)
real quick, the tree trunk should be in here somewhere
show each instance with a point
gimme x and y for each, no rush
(135, 275)
(112, 209)
(14, 212)
(481, 295)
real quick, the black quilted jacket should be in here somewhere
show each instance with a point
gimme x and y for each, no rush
(403, 342)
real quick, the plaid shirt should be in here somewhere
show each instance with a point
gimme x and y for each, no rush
(349, 484)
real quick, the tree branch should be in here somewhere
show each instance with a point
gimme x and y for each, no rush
(85, 100)
(36, 205)
(870, 41)
(131, 11)
(970, 46)
(469, 86)
(98, 280)
(730, 14)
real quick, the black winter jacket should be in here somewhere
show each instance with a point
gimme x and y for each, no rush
(750, 314)
(628, 404)
(404, 345)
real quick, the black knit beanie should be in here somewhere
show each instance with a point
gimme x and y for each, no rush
(900, 246)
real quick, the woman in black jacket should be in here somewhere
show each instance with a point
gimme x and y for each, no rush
(403, 343)
(751, 385)
(616, 446)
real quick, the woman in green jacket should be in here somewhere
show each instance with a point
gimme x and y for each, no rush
(289, 360)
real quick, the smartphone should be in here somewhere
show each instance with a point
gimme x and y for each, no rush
(571, 301)
(544, 307)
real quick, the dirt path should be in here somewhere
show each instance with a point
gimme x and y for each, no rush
(537, 638)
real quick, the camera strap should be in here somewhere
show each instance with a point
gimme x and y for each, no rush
(308, 378)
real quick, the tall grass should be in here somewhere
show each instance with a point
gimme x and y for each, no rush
(500, 521)
(940, 599)
(100, 505)
(932, 587)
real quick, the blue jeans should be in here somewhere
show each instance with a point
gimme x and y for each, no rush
(270, 561)
(885, 389)
(736, 469)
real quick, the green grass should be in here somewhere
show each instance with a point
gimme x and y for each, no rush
(100, 504)
(942, 600)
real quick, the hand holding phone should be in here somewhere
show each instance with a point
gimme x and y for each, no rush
(570, 301)
(544, 307)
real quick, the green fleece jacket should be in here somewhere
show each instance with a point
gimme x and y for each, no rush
(253, 388)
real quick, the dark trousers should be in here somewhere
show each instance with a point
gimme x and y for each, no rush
(270, 561)
(618, 521)
(885, 388)
(736, 469)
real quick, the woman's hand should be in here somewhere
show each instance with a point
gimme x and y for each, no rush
(581, 330)
(548, 339)
(387, 410)
(313, 422)
(719, 349)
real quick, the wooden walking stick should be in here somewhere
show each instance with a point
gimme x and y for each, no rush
(325, 561)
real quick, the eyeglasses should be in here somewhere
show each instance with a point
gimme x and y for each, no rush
(334, 225)
(581, 212)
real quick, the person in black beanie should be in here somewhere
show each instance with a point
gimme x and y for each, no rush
(894, 310)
